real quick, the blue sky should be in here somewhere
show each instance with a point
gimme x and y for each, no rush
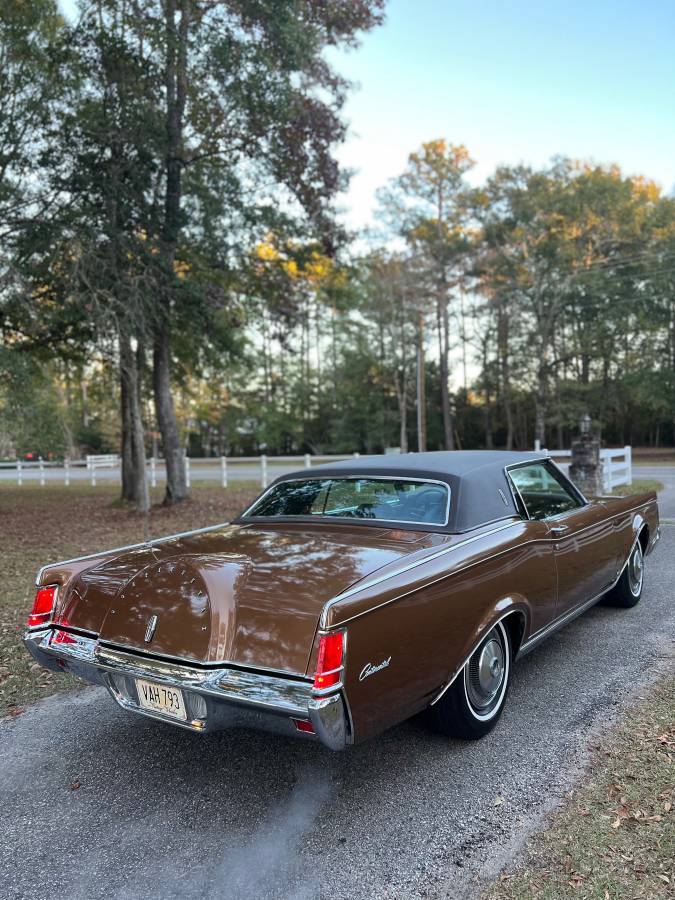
(514, 80)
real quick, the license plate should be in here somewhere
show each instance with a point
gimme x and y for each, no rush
(161, 698)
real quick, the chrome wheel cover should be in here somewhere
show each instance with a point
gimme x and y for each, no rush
(635, 570)
(486, 674)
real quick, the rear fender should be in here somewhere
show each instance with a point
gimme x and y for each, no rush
(514, 612)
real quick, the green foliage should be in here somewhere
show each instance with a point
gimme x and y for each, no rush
(32, 419)
(552, 289)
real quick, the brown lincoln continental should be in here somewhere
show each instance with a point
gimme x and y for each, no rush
(348, 597)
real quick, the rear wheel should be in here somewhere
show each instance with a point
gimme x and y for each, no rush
(629, 588)
(474, 702)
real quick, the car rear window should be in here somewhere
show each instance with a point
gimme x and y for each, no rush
(380, 499)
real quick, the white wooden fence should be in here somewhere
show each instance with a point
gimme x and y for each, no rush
(616, 467)
(617, 464)
(250, 468)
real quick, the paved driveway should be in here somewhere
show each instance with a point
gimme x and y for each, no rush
(164, 813)
(666, 475)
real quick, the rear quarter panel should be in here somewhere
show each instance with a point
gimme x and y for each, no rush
(427, 621)
(630, 515)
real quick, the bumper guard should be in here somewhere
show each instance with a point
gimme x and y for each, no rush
(216, 698)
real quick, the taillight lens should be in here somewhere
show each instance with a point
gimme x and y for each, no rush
(329, 664)
(303, 725)
(62, 637)
(43, 606)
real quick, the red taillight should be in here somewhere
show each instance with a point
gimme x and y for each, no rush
(329, 664)
(62, 637)
(43, 606)
(303, 725)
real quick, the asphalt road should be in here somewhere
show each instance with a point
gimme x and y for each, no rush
(666, 475)
(96, 802)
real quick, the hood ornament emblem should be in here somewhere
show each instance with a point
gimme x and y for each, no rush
(150, 630)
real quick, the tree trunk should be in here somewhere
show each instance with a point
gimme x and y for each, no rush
(487, 419)
(401, 386)
(166, 417)
(421, 389)
(176, 86)
(403, 429)
(540, 410)
(444, 346)
(504, 367)
(465, 380)
(134, 478)
(333, 326)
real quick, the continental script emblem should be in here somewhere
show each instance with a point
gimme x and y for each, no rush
(369, 669)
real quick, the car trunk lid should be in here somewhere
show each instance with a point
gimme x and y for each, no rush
(248, 595)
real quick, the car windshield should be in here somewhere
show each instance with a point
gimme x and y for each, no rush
(385, 499)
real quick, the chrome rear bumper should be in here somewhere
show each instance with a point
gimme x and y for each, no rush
(215, 698)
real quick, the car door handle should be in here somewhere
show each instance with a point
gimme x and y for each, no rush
(557, 530)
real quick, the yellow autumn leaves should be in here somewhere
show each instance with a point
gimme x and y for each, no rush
(312, 268)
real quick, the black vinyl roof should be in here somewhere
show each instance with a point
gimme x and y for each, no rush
(480, 491)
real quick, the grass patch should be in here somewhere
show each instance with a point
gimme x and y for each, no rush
(639, 486)
(615, 837)
(44, 524)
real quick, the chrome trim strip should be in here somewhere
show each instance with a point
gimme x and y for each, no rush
(560, 622)
(235, 697)
(275, 694)
(607, 518)
(329, 721)
(545, 632)
(116, 550)
(357, 588)
(440, 578)
(216, 663)
(544, 540)
(318, 477)
(515, 493)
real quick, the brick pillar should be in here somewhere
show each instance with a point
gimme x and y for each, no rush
(586, 467)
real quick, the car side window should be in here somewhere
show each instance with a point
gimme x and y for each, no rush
(543, 491)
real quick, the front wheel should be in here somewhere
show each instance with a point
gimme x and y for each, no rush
(628, 590)
(474, 701)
